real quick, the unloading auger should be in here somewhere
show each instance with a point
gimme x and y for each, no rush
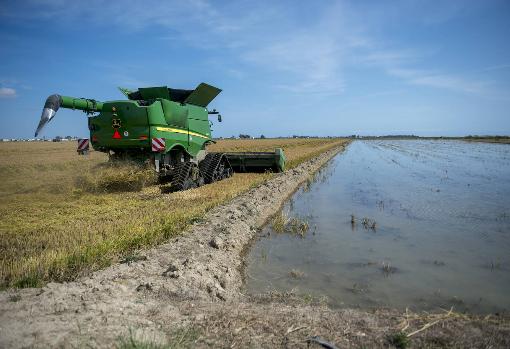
(167, 127)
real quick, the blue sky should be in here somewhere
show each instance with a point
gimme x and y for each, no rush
(285, 67)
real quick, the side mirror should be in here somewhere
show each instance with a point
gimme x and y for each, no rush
(219, 117)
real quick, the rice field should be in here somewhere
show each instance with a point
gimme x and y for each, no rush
(405, 224)
(64, 215)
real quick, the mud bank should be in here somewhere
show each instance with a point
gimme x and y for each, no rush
(188, 292)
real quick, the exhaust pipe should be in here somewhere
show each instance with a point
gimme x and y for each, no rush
(51, 106)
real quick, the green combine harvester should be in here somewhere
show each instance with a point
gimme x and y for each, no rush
(168, 128)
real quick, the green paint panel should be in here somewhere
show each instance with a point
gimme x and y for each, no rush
(199, 120)
(172, 139)
(137, 125)
(128, 118)
(149, 93)
(174, 114)
(203, 95)
(155, 114)
(87, 105)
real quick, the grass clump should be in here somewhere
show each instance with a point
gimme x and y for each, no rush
(132, 343)
(399, 340)
(279, 222)
(369, 223)
(282, 223)
(180, 338)
(29, 280)
(388, 269)
(494, 264)
(117, 176)
(366, 223)
(358, 288)
(297, 274)
(298, 226)
(14, 298)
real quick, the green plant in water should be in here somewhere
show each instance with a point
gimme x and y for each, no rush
(353, 221)
(495, 264)
(263, 255)
(297, 274)
(281, 223)
(387, 269)
(307, 298)
(358, 288)
(298, 226)
(369, 223)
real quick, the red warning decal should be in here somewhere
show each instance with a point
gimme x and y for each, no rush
(83, 144)
(158, 144)
(116, 134)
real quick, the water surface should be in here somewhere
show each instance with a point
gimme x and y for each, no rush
(441, 238)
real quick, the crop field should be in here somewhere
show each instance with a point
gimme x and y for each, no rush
(488, 139)
(64, 215)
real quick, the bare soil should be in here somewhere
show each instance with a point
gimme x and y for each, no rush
(188, 292)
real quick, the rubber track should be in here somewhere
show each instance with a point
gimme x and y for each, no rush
(212, 161)
(209, 165)
(204, 165)
(181, 176)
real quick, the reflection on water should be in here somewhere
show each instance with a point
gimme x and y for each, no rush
(418, 224)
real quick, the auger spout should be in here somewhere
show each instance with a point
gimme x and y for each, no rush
(54, 102)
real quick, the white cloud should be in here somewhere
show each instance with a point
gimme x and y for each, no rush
(440, 80)
(496, 67)
(308, 57)
(312, 62)
(310, 49)
(7, 92)
(389, 57)
(450, 82)
(267, 35)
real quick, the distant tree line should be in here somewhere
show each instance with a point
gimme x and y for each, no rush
(493, 137)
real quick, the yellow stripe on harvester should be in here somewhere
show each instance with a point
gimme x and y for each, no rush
(176, 130)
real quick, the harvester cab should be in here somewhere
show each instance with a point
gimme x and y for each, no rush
(170, 127)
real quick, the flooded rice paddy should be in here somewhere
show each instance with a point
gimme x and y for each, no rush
(418, 224)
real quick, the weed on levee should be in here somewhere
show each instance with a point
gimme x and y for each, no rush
(63, 215)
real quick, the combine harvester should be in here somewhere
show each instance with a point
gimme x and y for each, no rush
(168, 128)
